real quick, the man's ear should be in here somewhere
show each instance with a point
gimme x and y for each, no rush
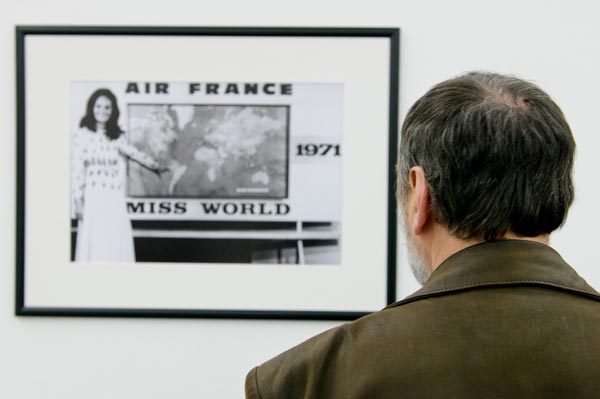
(421, 200)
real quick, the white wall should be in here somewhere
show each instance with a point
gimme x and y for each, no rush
(555, 43)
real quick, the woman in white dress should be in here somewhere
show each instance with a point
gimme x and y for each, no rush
(99, 173)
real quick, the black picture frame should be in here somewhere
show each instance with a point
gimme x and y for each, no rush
(24, 225)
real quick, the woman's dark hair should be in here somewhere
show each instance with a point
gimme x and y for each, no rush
(497, 154)
(113, 130)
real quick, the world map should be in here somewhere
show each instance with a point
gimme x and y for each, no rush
(225, 151)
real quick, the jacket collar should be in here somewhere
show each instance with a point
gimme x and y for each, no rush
(502, 263)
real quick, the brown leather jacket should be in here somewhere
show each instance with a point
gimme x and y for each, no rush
(505, 319)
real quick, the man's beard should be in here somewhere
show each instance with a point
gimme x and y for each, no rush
(416, 258)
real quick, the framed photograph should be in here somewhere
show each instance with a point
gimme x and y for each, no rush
(206, 172)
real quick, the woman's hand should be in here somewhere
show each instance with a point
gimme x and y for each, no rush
(160, 169)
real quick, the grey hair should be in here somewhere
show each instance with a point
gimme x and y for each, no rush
(497, 154)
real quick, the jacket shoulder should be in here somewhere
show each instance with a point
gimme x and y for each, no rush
(339, 354)
(467, 341)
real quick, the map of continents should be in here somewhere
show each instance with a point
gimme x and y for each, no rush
(226, 151)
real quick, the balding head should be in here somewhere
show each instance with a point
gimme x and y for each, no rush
(497, 155)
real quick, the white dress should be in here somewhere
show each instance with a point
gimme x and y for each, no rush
(99, 173)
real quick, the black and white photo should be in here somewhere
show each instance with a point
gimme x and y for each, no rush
(205, 172)
(166, 171)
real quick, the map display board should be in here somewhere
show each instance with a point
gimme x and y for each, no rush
(230, 151)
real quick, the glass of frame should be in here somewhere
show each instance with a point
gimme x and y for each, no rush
(206, 172)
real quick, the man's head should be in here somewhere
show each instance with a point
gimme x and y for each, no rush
(494, 154)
